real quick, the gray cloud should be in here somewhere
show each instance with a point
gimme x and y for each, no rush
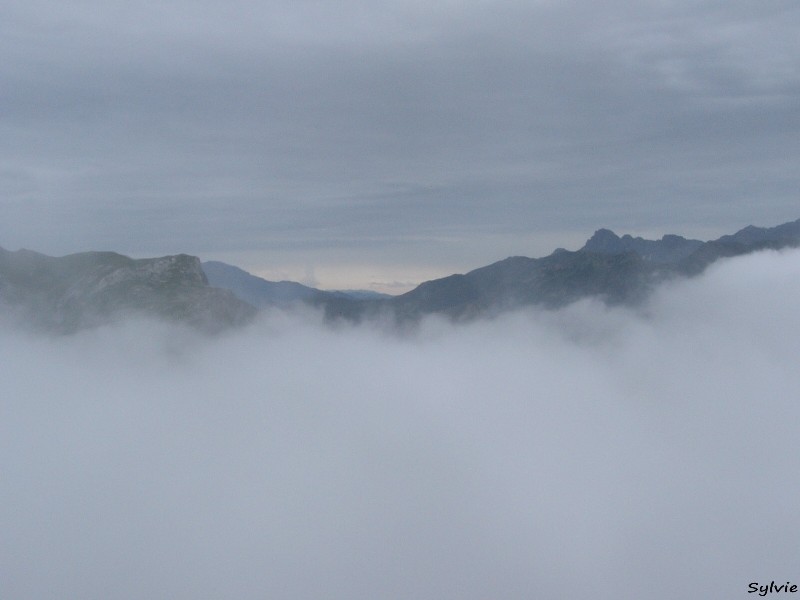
(211, 127)
(590, 452)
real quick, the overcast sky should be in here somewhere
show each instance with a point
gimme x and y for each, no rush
(377, 144)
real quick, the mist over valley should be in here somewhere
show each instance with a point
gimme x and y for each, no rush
(591, 450)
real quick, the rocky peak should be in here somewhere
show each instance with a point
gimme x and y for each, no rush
(604, 241)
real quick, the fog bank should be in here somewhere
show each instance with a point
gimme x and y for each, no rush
(584, 453)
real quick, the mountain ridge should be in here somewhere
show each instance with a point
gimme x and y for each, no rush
(616, 269)
(76, 291)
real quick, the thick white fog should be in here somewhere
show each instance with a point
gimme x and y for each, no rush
(586, 453)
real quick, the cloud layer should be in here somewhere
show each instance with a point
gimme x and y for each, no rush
(585, 453)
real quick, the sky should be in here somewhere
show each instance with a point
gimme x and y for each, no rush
(372, 144)
(586, 453)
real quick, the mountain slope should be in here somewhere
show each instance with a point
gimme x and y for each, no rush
(550, 282)
(618, 270)
(255, 290)
(262, 293)
(785, 234)
(68, 293)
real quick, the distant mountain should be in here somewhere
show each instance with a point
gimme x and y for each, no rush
(691, 256)
(361, 294)
(785, 234)
(618, 270)
(255, 290)
(746, 240)
(65, 294)
(550, 282)
(262, 293)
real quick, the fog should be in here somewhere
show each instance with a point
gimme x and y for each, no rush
(584, 453)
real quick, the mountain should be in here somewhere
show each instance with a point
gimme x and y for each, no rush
(669, 249)
(261, 293)
(618, 270)
(361, 294)
(255, 290)
(65, 294)
(692, 256)
(786, 234)
(550, 282)
(746, 240)
(80, 290)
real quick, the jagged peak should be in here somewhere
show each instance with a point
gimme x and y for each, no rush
(603, 240)
(604, 233)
